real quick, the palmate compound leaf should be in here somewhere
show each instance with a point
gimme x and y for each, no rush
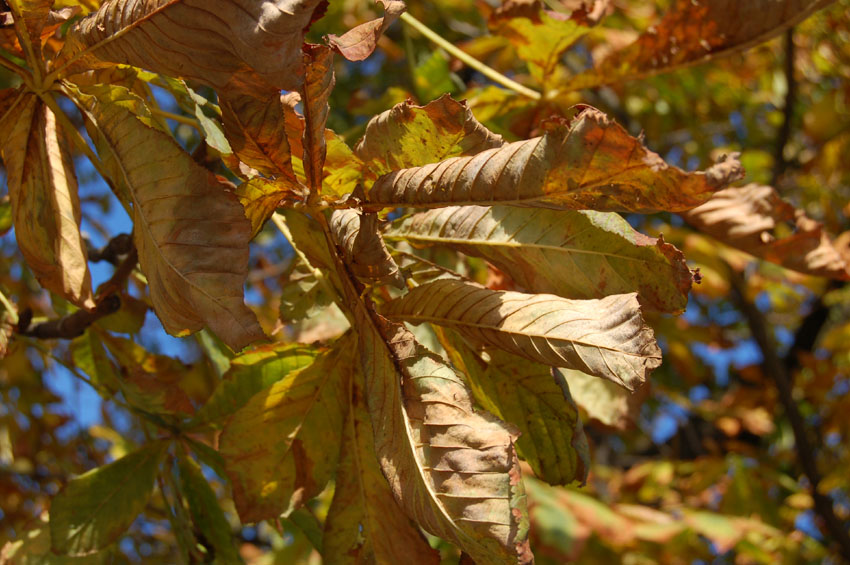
(536, 400)
(301, 418)
(252, 47)
(755, 219)
(411, 136)
(590, 163)
(363, 247)
(364, 523)
(452, 469)
(574, 254)
(606, 338)
(694, 31)
(190, 232)
(43, 190)
(94, 509)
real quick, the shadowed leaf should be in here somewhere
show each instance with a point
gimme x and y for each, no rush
(411, 136)
(569, 253)
(592, 163)
(318, 84)
(94, 509)
(533, 398)
(364, 523)
(603, 401)
(452, 469)
(694, 31)
(301, 418)
(191, 233)
(606, 338)
(757, 220)
(43, 190)
(359, 42)
(363, 247)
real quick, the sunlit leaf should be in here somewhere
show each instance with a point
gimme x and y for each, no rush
(363, 248)
(43, 190)
(757, 220)
(693, 31)
(411, 136)
(33, 548)
(94, 509)
(251, 372)
(536, 400)
(606, 338)
(260, 198)
(359, 42)
(364, 523)
(301, 418)
(191, 233)
(603, 401)
(569, 253)
(592, 163)
(452, 469)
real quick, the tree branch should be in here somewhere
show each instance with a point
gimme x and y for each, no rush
(779, 162)
(777, 370)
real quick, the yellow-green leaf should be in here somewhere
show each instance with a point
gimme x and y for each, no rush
(606, 338)
(453, 469)
(574, 254)
(592, 163)
(260, 198)
(364, 523)
(603, 401)
(94, 509)
(43, 190)
(190, 231)
(411, 136)
(536, 400)
(281, 448)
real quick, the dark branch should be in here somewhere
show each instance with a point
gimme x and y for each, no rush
(779, 162)
(777, 370)
(112, 252)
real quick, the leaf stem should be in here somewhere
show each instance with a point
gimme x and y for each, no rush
(10, 308)
(176, 117)
(453, 50)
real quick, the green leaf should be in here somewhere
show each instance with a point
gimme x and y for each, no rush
(572, 254)
(94, 509)
(603, 401)
(410, 136)
(5, 215)
(536, 400)
(255, 370)
(433, 78)
(32, 547)
(588, 163)
(303, 295)
(364, 523)
(206, 512)
(89, 355)
(453, 469)
(281, 447)
(606, 338)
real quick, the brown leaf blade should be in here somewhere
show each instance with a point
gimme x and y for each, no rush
(318, 84)
(574, 254)
(363, 248)
(359, 42)
(692, 32)
(452, 469)
(301, 417)
(45, 204)
(411, 136)
(606, 338)
(755, 219)
(591, 164)
(191, 233)
(252, 46)
(364, 523)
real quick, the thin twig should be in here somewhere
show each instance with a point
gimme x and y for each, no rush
(779, 161)
(457, 53)
(10, 308)
(774, 368)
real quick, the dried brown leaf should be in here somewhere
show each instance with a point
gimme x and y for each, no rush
(755, 219)
(356, 233)
(318, 84)
(359, 42)
(592, 163)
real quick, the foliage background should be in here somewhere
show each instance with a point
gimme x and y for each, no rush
(708, 470)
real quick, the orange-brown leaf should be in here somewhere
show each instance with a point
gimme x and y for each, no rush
(359, 42)
(318, 84)
(363, 248)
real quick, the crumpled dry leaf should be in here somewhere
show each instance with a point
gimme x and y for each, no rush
(43, 191)
(453, 469)
(606, 338)
(411, 136)
(233, 44)
(591, 163)
(359, 42)
(190, 231)
(694, 31)
(356, 233)
(755, 219)
(574, 254)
